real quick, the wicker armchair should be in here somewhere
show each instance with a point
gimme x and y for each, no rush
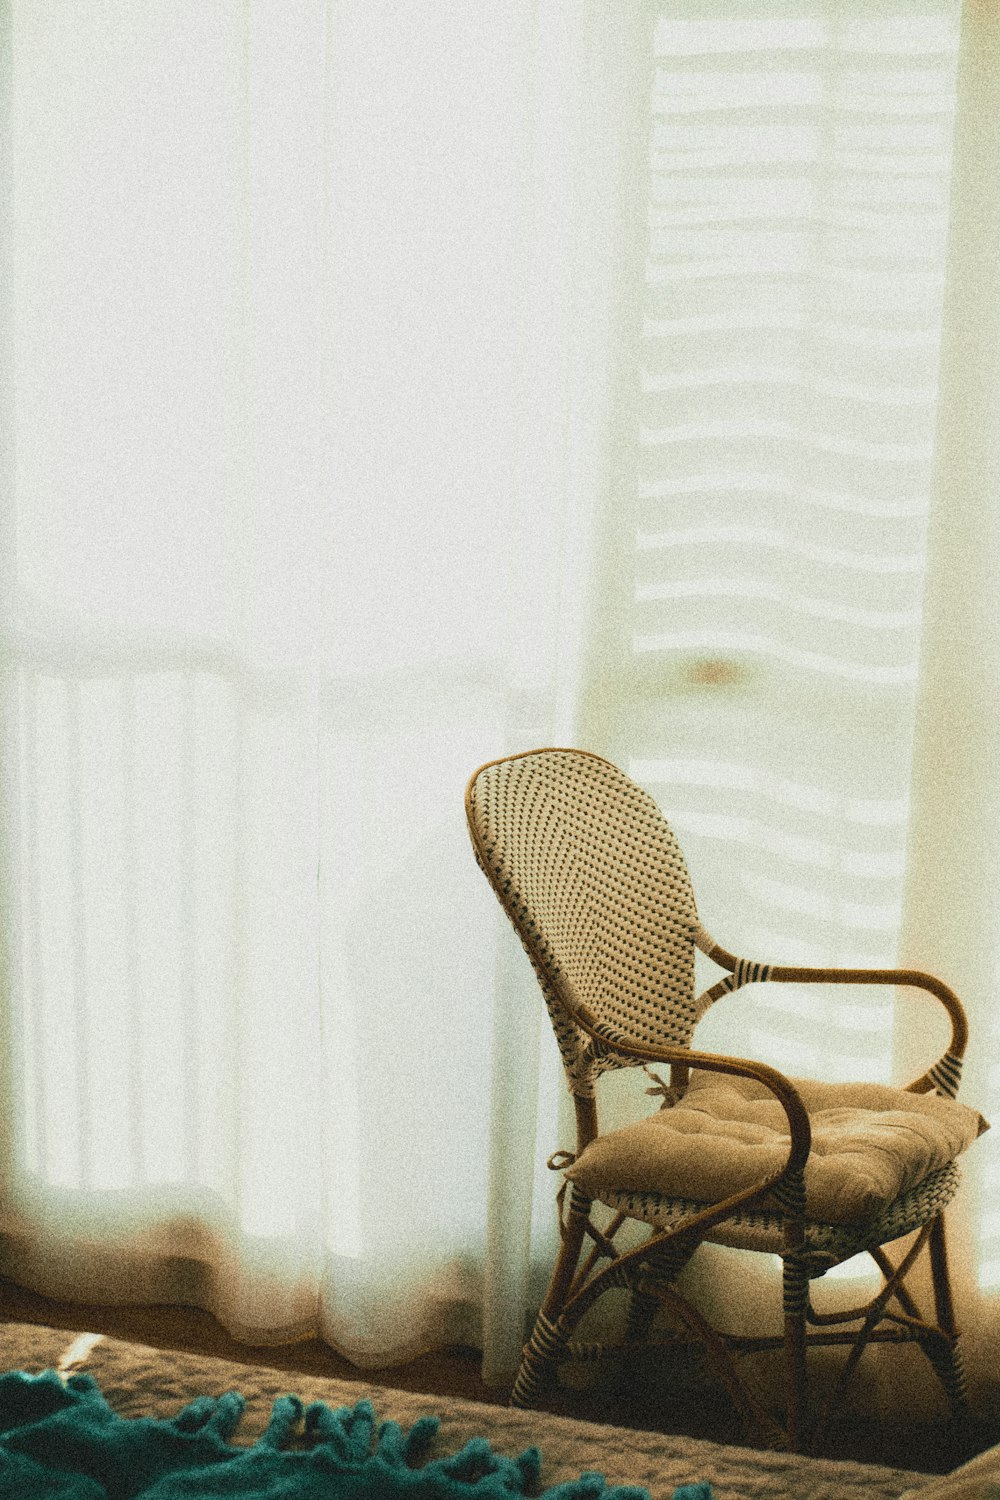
(593, 880)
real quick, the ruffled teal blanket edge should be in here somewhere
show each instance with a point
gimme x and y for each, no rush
(61, 1440)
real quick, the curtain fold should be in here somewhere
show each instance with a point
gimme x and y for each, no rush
(309, 315)
(950, 921)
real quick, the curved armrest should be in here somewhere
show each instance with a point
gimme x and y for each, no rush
(942, 1075)
(782, 1088)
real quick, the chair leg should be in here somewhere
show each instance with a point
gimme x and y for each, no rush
(943, 1353)
(795, 1297)
(548, 1337)
(541, 1355)
(641, 1311)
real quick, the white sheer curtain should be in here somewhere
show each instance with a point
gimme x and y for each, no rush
(307, 315)
(388, 386)
(813, 456)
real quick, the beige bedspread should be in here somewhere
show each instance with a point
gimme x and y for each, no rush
(141, 1381)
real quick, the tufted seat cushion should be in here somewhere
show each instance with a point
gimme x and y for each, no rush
(870, 1143)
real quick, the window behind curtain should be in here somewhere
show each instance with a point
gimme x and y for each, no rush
(758, 670)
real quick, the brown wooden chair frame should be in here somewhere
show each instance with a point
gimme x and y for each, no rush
(649, 1270)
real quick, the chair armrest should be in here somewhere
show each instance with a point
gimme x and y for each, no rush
(783, 1089)
(943, 1075)
(786, 1184)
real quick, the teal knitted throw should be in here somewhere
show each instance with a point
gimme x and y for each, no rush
(62, 1441)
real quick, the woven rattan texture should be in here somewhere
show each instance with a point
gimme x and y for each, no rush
(825, 1244)
(598, 890)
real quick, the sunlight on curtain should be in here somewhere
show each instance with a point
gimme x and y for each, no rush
(307, 312)
(787, 368)
(824, 747)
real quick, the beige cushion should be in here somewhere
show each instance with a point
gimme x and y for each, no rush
(869, 1144)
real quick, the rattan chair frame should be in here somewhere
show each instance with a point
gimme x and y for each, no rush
(772, 1210)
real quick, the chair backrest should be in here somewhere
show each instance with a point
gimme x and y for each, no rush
(591, 876)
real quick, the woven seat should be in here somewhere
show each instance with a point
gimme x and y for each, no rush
(824, 1245)
(593, 880)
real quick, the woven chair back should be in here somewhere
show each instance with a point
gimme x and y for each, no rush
(592, 878)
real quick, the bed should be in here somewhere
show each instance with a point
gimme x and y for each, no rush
(141, 1381)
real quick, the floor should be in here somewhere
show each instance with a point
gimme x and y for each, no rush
(696, 1410)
